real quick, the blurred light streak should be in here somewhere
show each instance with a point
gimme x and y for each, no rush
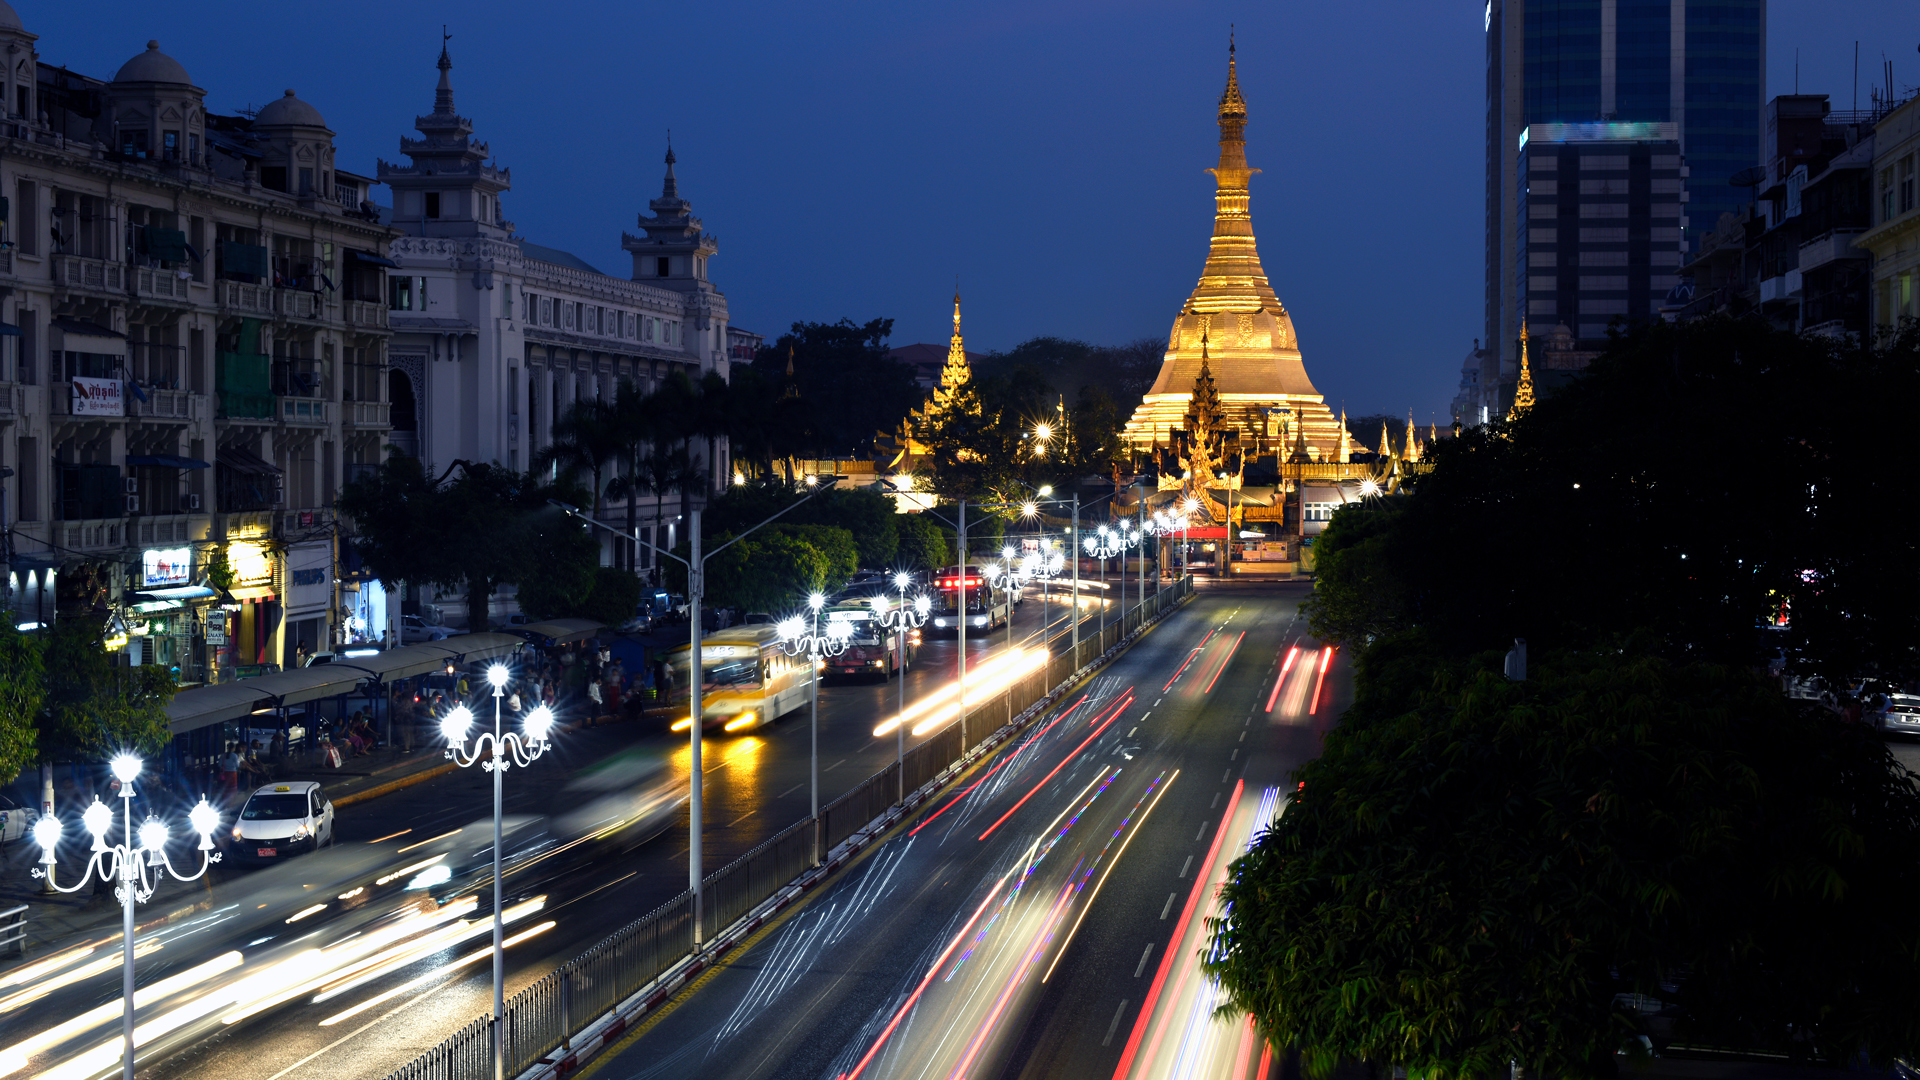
(477, 954)
(1173, 950)
(907, 1006)
(1292, 655)
(1088, 906)
(14, 1058)
(85, 971)
(1050, 776)
(1223, 664)
(1326, 661)
(424, 843)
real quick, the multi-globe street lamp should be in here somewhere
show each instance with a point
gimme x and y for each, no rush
(1010, 574)
(798, 636)
(135, 868)
(491, 750)
(1104, 543)
(901, 618)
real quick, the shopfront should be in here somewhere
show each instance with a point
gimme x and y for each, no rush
(165, 614)
(254, 616)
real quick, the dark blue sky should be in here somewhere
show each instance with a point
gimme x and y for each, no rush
(854, 158)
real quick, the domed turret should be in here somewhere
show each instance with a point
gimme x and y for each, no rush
(9, 19)
(289, 111)
(153, 66)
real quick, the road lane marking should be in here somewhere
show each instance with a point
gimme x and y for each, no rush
(1215, 805)
(792, 789)
(1115, 1026)
(1235, 756)
(1228, 775)
(1242, 738)
(1156, 701)
(1088, 906)
(835, 765)
(1185, 866)
(1130, 734)
(1203, 830)
(1142, 965)
(1163, 911)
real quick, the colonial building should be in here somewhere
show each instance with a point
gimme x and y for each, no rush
(1894, 239)
(1234, 319)
(496, 336)
(195, 341)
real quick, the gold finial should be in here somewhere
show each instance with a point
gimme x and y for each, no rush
(1523, 394)
(1413, 441)
(1232, 105)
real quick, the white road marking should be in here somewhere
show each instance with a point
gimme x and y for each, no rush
(1185, 866)
(1142, 966)
(1169, 907)
(1115, 1026)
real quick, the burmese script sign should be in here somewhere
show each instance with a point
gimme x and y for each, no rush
(98, 397)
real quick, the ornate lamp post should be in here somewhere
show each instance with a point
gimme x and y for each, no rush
(1008, 575)
(490, 752)
(135, 868)
(797, 637)
(901, 618)
(1104, 543)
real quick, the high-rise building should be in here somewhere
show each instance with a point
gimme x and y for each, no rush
(1593, 70)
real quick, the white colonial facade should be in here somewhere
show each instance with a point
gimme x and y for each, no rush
(494, 337)
(194, 336)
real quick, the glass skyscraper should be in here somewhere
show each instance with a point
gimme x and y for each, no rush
(1696, 67)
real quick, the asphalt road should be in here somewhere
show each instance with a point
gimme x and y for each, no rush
(755, 784)
(1043, 920)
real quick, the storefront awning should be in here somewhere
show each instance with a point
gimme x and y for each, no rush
(560, 631)
(178, 592)
(7, 329)
(372, 260)
(411, 660)
(246, 461)
(167, 461)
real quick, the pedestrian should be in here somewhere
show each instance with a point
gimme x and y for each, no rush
(229, 773)
(613, 694)
(593, 695)
(302, 653)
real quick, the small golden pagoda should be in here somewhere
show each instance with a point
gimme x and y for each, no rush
(905, 446)
(1523, 394)
(1254, 356)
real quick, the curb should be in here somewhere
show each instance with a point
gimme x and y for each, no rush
(392, 786)
(607, 1029)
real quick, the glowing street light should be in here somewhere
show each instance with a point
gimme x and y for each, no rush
(901, 618)
(796, 636)
(490, 752)
(135, 867)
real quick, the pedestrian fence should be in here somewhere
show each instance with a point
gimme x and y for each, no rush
(542, 1019)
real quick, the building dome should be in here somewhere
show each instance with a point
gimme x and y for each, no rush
(287, 111)
(152, 66)
(9, 20)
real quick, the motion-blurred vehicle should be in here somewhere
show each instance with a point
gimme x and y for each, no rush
(871, 650)
(747, 677)
(969, 588)
(15, 820)
(280, 820)
(414, 630)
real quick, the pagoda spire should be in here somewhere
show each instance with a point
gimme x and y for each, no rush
(1413, 440)
(957, 372)
(1346, 448)
(443, 94)
(1386, 446)
(670, 189)
(1523, 394)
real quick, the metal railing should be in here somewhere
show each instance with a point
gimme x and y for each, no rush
(13, 931)
(543, 1018)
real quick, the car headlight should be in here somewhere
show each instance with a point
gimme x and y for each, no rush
(299, 831)
(979, 620)
(236, 833)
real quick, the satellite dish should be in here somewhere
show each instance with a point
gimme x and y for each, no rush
(1751, 176)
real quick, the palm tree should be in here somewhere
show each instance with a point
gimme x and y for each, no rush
(637, 423)
(713, 417)
(586, 439)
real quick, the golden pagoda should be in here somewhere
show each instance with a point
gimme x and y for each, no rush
(1523, 394)
(905, 445)
(1254, 356)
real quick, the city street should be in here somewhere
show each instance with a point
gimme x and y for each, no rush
(755, 784)
(1042, 920)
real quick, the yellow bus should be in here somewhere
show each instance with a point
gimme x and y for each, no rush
(747, 679)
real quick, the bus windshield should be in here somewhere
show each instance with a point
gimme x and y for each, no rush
(865, 629)
(729, 666)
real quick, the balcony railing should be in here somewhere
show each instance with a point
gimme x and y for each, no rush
(162, 528)
(367, 313)
(366, 414)
(75, 272)
(13, 399)
(91, 534)
(242, 297)
(6, 261)
(1827, 248)
(298, 303)
(156, 284)
(299, 410)
(165, 404)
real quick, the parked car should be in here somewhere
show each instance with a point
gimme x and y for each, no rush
(15, 821)
(279, 820)
(414, 630)
(1901, 715)
(640, 623)
(512, 623)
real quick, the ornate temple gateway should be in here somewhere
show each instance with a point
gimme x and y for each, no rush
(1234, 320)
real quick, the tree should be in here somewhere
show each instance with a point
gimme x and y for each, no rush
(853, 389)
(94, 708)
(1697, 480)
(924, 545)
(22, 689)
(867, 515)
(1474, 872)
(587, 439)
(486, 527)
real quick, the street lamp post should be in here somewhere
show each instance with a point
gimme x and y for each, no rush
(1008, 576)
(490, 752)
(696, 565)
(136, 868)
(797, 637)
(901, 619)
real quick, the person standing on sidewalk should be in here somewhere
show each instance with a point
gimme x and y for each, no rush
(229, 773)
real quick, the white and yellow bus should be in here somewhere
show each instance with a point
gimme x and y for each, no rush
(747, 678)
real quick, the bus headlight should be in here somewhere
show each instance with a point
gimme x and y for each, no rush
(979, 620)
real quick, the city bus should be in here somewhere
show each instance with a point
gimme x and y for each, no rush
(747, 678)
(871, 648)
(987, 607)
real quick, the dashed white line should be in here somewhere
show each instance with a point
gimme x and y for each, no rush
(1185, 866)
(1130, 734)
(1115, 1026)
(1168, 907)
(1242, 738)
(1234, 756)
(1142, 966)
(1225, 776)
(1201, 833)
(1216, 801)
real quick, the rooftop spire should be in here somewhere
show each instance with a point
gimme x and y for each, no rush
(1232, 105)
(671, 189)
(443, 95)
(1523, 394)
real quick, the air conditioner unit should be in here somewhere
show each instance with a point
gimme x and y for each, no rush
(279, 496)
(193, 502)
(133, 504)
(132, 485)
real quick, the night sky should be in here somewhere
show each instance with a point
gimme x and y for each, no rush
(853, 159)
